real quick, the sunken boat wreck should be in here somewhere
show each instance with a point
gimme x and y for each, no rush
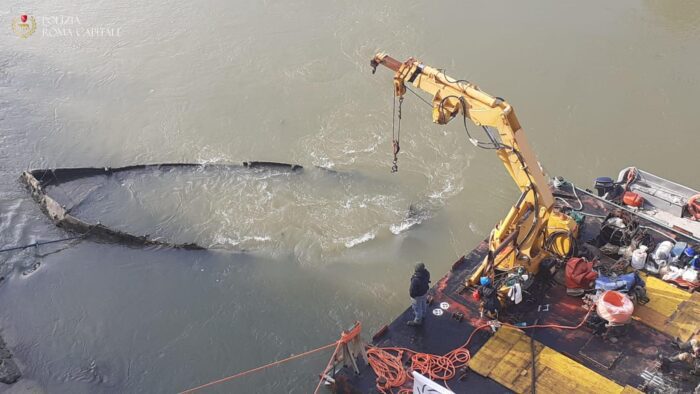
(61, 208)
(574, 291)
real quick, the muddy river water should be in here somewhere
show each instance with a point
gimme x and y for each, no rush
(597, 85)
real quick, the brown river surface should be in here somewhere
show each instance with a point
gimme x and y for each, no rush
(597, 85)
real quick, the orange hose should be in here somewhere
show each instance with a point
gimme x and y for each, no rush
(391, 373)
(556, 325)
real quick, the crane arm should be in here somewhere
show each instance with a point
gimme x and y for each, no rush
(532, 211)
(450, 97)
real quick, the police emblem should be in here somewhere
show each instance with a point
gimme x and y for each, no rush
(24, 26)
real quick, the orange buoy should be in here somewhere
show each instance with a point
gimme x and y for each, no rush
(632, 199)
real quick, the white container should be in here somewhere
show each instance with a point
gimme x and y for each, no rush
(690, 275)
(663, 252)
(639, 257)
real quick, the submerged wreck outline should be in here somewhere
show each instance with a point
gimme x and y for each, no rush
(37, 180)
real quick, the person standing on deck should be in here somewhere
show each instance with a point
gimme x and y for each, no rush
(420, 283)
(489, 305)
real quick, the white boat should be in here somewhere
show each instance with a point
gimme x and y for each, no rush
(665, 201)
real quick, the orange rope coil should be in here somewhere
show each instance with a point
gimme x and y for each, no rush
(388, 368)
(440, 367)
(387, 364)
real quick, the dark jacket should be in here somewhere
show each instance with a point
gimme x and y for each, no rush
(489, 298)
(420, 283)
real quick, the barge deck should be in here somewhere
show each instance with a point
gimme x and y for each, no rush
(563, 360)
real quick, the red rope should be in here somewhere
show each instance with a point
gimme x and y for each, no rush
(260, 368)
(328, 366)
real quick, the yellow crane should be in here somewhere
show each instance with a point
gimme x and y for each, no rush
(532, 231)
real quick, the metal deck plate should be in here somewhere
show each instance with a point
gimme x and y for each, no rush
(601, 352)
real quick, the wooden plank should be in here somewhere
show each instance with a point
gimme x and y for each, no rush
(651, 318)
(515, 362)
(631, 390)
(506, 358)
(584, 380)
(550, 381)
(491, 354)
(664, 298)
(685, 319)
(671, 310)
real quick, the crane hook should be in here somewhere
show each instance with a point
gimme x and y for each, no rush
(396, 136)
(397, 149)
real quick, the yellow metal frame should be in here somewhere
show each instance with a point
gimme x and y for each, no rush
(533, 212)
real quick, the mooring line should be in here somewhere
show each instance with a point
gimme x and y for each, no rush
(260, 368)
(40, 243)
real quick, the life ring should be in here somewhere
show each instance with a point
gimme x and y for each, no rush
(694, 207)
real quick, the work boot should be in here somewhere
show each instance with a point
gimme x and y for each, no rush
(414, 323)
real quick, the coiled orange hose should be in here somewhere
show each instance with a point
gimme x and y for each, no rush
(387, 364)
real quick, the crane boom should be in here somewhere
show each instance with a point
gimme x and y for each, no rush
(509, 245)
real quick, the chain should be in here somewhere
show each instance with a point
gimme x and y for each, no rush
(396, 133)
